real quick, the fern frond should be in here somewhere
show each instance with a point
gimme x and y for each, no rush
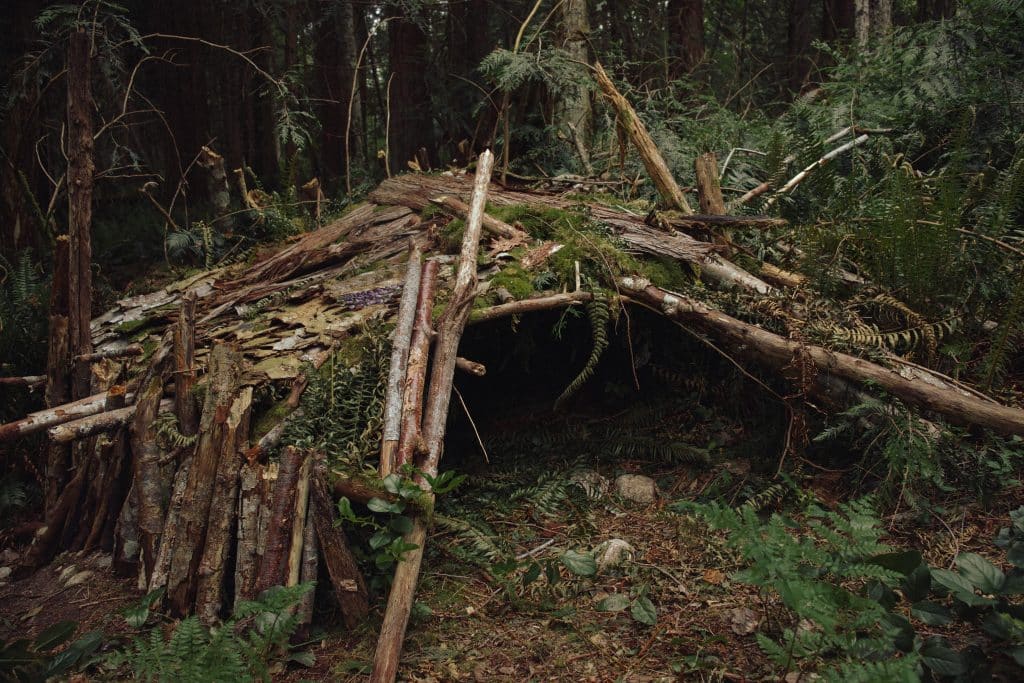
(598, 314)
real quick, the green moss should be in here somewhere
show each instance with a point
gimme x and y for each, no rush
(451, 235)
(606, 199)
(540, 221)
(131, 326)
(517, 281)
(270, 419)
(667, 273)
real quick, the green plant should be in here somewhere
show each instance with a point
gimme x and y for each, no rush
(46, 657)
(831, 576)
(598, 314)
(387, 544)
(245, 647)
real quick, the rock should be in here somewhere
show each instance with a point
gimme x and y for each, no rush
(8, 556)
(67, 573)
(612, 553)
(79, 578)
(102, 561)
(636, 488)
(592, 483)
(5, 572)
(743, 621)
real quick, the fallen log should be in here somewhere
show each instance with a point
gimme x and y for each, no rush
(30, 381)
(400, 344)
(346, 579)
(799, 177)
(450, 328)
(90, 426)
(491, 224)
(50, 417)
(359, 489)
(778, 352)
(656, 167)
(129, 351)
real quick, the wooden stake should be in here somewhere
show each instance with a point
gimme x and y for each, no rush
(656, 167)
(348, 583)
(294, 565)
(58, 388)
(215, 439)
(399, 362)
(403, 589)
(223, 510)
(184, 366)
(416, 368)
(273, 565)
(709, 192)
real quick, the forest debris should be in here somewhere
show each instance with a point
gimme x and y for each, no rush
(216, 440)
(401, 342)
(470, 367)
(348, 583)
(777, 352)
(799, 177)
(491, 224)
(89, 426)
(450, 328)
(274, 563)
(656, 167)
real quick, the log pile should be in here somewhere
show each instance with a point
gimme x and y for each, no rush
(158, 458)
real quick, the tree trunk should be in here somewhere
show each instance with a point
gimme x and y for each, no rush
(412, 124)
(799, 43)
(57, 366)
(80, 172)
(574, 106)
(837, 19)
(686, 34)
(149, 481)
(862, 22)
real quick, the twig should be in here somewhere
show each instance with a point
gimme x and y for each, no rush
(472, 424)
(531, 553)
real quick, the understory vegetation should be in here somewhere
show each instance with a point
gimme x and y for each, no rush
(797, 534)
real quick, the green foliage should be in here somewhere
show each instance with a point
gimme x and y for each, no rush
(49, 656)
(598, 313)
(245, 647)
(826, 574)
(14, 495)
(342, 407)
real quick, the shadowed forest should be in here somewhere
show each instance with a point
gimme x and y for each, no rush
(534, 340)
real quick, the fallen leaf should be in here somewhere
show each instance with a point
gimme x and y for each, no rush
(715, 576)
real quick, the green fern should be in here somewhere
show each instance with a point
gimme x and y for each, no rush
(472, 540)
(598, 313)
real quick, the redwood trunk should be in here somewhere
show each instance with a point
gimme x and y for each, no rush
(80, 176)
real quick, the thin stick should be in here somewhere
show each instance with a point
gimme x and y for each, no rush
(465, 409)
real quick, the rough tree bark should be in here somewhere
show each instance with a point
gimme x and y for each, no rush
(80, 179)
(57, 365)
(273, 562)
(225, 369)
(223, 509)
(575, 109)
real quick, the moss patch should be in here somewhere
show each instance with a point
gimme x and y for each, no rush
(514, 279)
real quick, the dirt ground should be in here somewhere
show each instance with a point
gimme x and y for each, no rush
(473, 623)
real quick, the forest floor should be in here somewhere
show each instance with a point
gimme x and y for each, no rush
(474, 623)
